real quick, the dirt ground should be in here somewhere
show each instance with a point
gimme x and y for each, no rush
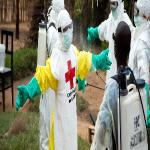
(92, 95)
(94, 98)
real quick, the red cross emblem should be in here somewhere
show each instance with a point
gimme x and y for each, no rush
(70, 74)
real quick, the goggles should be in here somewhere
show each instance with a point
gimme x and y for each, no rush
(70, 26)
(136, 11)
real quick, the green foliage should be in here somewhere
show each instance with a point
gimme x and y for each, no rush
(28, 140)
(81, 104)
(127, 5)
(23, 141)
(34, 107)
(104, 45)
(82, 145)
(24, 62)
(78, 9)
(36, 17)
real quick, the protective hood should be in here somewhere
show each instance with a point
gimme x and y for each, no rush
(57, 5)
(144, 8)
(142, 20)
(52, 17)
(65, 30)
(119, 8)
(54, 9)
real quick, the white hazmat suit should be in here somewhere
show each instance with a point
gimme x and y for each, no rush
(62, 68)
(108, 27)
(139, 58)
(47, 102)
(106, 124)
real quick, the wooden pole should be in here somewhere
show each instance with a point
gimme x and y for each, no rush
(17, 19)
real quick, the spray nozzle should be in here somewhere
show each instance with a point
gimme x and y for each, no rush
(43, 17)
(122, 75)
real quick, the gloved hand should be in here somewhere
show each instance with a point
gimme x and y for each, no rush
(101, 61)
(81, 85)
(27, 92)
(92, 34)
(148, 118)
(147, 93)
(21, 97)
(147, 103)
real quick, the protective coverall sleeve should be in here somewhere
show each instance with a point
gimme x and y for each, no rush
(103, 129)
(102, 30)
(143, 62)
(42, 80)
(84, 63)
(45, 77)
(128, 21)
(106, 123)
(143, 70)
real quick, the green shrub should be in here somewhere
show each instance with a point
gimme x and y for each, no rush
(83, 145)
(28, 140)
(24, 62)
(24, 140)
(81, 104)
(34, 107)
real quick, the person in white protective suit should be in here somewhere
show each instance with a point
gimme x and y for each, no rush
(47, 101)
(139, 58)
(106, 128)
(105, 30)
(62, 68)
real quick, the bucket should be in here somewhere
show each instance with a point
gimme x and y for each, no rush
(2, 57)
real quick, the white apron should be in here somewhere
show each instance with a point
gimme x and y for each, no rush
(63, 67)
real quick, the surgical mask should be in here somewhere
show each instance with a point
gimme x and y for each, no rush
(137, 21)
(67, 39)
(114, 13)
(114, 6)
(66, 36)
